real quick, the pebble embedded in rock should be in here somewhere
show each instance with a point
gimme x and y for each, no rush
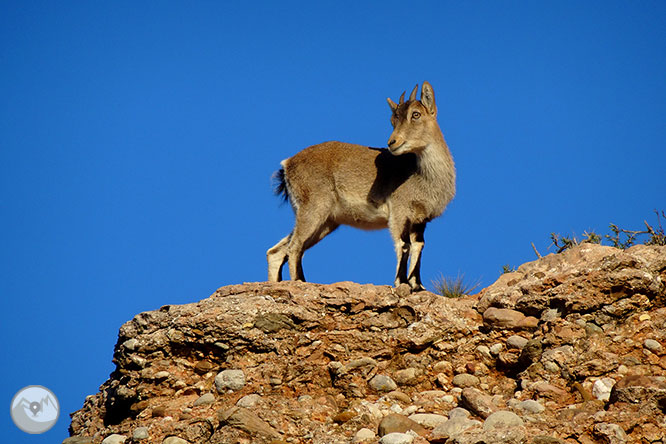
(383, 383)
(428, 420)
(516, 342)
(444, 367)
(203, 367)
(248, 401)
(502, 418)
(452, 427)
(140, 433)
(463, 380)
(207, 398)
(174, 440)
(395, 423)
(246, 420)
(131, 344)
(397, 438)
(484, 351)
(652, 345)
(399, 396)
(229, 380)
(459, 412)
(495, 349)
(502, 318)
(408, 376)
(78, 440)
(364, 435)
(476, 401)
(162, 375)
(531, 406)
(343, 417)
(114, 439)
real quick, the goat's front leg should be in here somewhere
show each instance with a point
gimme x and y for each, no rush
(416, 243)
(400, 235)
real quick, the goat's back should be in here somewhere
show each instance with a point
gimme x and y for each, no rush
(352, 182)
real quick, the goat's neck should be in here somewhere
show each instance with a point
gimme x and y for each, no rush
(435, 161)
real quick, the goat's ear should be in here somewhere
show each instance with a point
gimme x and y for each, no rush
(392, 104)
(428, 98)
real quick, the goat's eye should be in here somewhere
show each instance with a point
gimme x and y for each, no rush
(416, 115)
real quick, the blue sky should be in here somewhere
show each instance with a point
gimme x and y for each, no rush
(137, 142)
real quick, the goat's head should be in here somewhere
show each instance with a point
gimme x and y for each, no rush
(414, 122)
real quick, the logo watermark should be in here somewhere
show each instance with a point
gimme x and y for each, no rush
(35, 409)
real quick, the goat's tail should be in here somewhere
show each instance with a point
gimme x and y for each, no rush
(280, 185)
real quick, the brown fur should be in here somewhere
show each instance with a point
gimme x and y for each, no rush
(402, 188)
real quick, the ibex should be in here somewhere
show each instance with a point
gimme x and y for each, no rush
(402, 188)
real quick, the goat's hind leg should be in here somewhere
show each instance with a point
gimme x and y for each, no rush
(309, 230)
(276, 257)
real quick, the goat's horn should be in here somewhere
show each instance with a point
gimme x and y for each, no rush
(412, 96)
(402, 98)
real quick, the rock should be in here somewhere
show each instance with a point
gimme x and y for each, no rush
(247, 421)
(383, 383)
(207, 398)
(610, 433)
(364, 435)
(502, 418)
(428, 420)
(229, 380)
(477, 402)
(531, 406)
(601, 389)
(463, 380)
(140, 433)
(395, 423)
(397, 438)
(308, 352)
(652, 345)
(114, 439)
(249, 401)
(174, 440)
(516, 342)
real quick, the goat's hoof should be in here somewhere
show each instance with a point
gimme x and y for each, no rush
(416, 287)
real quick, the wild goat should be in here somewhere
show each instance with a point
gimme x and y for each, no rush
(402, 188)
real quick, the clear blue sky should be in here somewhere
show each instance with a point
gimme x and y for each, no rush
(137, 142)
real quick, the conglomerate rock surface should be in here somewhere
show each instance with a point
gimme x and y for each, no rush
(570, 348)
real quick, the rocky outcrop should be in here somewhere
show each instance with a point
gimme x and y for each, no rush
(567, 349)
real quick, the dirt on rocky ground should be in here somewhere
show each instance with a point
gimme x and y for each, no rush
(569, 348)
